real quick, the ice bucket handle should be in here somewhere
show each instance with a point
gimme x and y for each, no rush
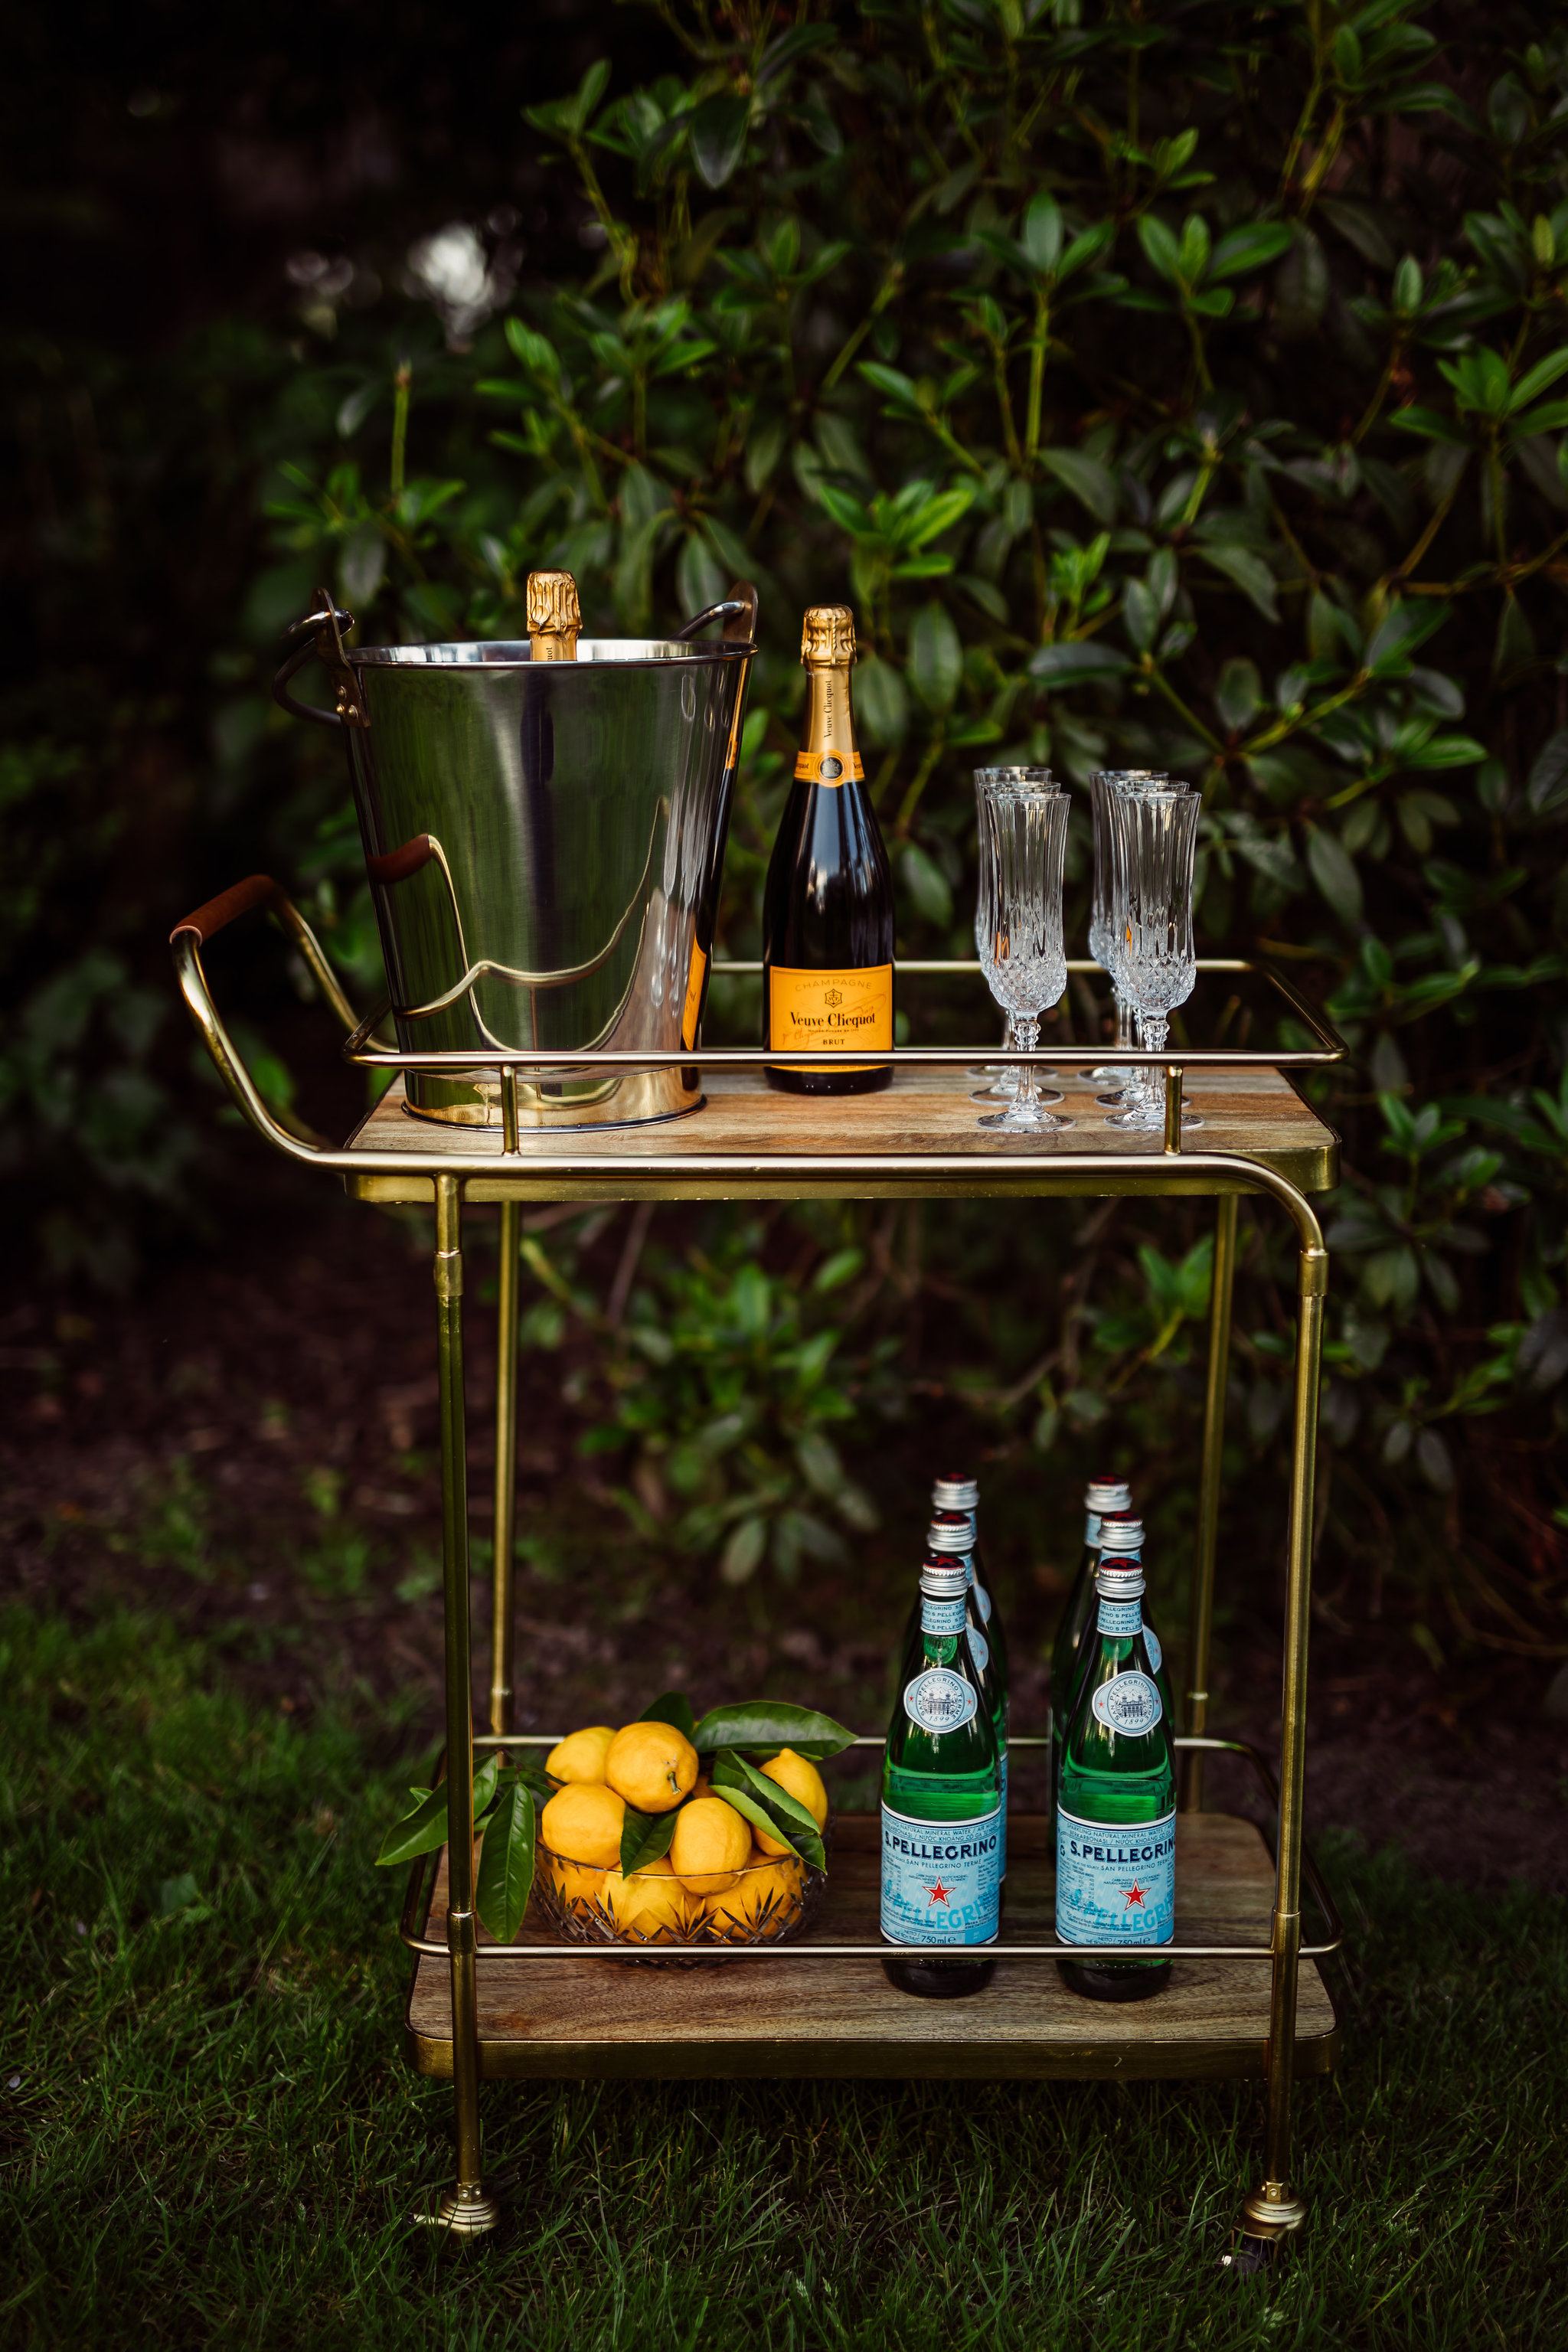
(738, 611)
(321, 633)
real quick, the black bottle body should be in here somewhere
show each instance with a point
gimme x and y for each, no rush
(827, 935)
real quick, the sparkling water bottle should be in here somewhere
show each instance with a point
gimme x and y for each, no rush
(1099, 1496)
(942, 1800)
(953, 1493)
(1116, 1814)
(950, 1535)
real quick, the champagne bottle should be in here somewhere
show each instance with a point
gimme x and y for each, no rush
(1116, 1816)
(941, 1801)
(827, 908)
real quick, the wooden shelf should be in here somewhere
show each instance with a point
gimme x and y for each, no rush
(924, 1124)
(598, 2014)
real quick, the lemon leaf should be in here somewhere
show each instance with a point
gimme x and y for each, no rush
(671, 1707)
(771, 1724)
(646, 1836)
(768, 1807)
(420, 1831)
(506, 1861)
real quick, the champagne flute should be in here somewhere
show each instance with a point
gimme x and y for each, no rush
(1003, 1077)
(1023, 843)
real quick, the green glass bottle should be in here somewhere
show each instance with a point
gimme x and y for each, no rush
(955, 1491)
(1121, 1545)
(950, 1536)
(1121, 1539)
(941, 1801)
(1100, 1497)
(1116, 1815)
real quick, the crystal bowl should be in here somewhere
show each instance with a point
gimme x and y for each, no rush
(651, 1916)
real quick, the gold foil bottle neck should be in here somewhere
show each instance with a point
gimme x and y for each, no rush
(555, 615)
(828, 637)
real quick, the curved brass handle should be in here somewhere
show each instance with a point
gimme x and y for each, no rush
(321, 633)
(243, 899)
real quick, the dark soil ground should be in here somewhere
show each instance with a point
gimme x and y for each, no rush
(250, 1449)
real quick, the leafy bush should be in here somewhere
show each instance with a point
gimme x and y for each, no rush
(1173, 387)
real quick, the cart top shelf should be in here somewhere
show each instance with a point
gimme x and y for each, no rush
(919, 1138)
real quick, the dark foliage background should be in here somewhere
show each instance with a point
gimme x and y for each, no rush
(1185, 386)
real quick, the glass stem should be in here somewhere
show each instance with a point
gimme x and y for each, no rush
(1154, 1028)
(1025, 1036)
(1123, 1018)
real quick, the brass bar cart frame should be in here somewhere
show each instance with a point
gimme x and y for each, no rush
(1274, 2207)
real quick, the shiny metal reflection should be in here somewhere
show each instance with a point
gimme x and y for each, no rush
(545, 842)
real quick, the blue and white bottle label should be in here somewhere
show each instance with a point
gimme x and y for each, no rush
(982, 1601)
(939, 1700)
(943, 1617)
(941, 1880)
(1120, 1617)
(1091, 1530)
(1151, 1643)
(979, 1650)
(1116, 1883)
(1128, 1703)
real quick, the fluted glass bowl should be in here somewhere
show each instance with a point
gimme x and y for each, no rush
(652, 1916)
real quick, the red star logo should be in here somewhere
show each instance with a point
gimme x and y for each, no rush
(938, 1892)
(1135, 1894)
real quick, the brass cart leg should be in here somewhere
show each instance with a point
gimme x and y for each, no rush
(465, 2210)
(1200, 1613)
(506, 1469)
(1275, 2208)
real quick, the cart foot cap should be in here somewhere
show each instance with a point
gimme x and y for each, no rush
(461, 2213)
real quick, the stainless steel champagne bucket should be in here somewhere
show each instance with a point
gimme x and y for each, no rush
(544, 840)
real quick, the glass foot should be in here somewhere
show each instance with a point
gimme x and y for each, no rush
(1026, 1118)
(1147, 1121)
(1001, 1093)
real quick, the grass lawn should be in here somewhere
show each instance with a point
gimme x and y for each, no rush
(210, 2136)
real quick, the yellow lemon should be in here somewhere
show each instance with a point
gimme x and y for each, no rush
(651, 1902)
(711, 1846)
(581, 1754)
(799, 1779)
(651, 1765)
(576, 1888)
(766, 1897)
(583, 1823)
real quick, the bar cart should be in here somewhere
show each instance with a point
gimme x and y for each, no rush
(1247, 1996)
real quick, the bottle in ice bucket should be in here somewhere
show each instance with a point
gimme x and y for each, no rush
(1100, 1497)
(1116, 1814)
(941, 1801)
(953, 1493)
(950, 1535)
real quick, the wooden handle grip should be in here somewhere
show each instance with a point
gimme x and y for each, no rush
(256, 890)
(398, 865)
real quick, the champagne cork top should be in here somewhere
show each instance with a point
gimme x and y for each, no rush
(554, 614)
(827, 637)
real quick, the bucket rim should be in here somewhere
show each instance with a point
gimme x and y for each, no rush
(486, 653)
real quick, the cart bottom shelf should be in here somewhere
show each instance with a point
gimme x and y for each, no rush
(598, 2014)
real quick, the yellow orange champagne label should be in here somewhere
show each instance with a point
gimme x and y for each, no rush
(693, 1005)
(829, 767)
(832, 1011)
